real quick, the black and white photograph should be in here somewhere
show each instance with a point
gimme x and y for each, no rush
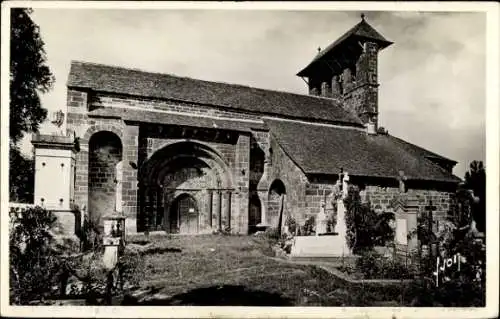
(286, 159)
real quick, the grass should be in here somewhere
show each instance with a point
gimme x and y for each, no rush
(236, 270)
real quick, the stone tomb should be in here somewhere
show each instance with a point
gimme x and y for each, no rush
(324, 246)
(405, 215)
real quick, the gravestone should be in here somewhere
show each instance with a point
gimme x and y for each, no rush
(321, 221)
(326, 246)
(405, 215)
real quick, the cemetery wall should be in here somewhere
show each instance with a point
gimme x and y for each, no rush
(380, 199)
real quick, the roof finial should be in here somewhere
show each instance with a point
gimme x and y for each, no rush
(363, 16)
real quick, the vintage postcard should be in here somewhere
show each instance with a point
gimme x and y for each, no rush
(240, 159)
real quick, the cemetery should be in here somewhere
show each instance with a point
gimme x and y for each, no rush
(314, 263)
(155, 189)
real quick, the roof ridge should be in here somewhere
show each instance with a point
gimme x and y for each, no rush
(199, 80)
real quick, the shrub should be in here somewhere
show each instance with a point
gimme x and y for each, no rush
(365, 228)
(374, 266)
(291, 224)
(90, 236)
(309, 226)
(369, 265)
(272, 234)
(34, 261)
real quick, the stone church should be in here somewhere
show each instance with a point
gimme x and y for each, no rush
(197, 156)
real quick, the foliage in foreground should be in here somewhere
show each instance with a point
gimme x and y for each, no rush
(32, 255)
(21, 176)
(365, 228)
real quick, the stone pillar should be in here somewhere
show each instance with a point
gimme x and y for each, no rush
(130, 185)
(325, 89)
(347, 77)
(336, 89)
(210, 207)
(242, 183)
(228, 212)
(263, 186)
(219, 210)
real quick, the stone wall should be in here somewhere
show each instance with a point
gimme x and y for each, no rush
(129, 187)
(139, 147)
(380, 199)
(105, 151)
(185, 108)
(284, 169)
(84, 128)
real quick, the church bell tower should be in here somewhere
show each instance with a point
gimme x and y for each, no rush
(347, 70)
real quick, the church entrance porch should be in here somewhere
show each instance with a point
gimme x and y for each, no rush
(185, 188)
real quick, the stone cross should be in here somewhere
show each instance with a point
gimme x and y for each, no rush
(118, 181)
(321, 220)
(402, 178)
(345, 185)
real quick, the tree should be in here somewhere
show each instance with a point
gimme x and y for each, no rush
(21, 177)
(475, 179)
(365, 228)
(457, 288)
(29, 75)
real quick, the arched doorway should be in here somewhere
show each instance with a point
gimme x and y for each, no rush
(184, 215)
(254, 214)
(105, 152)
(178, 170)
(276, 202)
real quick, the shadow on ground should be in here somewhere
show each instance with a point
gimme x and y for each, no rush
(227, 295)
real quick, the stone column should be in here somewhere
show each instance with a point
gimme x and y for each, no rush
(129, 189)
(219, 209)
(263, 186)
(228, 212)
(325, 89)
(336, 89)
(347, 76)
(210, 207)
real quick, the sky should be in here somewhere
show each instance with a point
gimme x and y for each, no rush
(432, 79)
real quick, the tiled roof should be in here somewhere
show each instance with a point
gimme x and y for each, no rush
(362, 30)
(119, 80)
(322, 149)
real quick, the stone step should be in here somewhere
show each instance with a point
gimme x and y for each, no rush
(332, 261)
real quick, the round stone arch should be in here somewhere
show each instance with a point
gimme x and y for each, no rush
(105, 152)
(154, 165)
(82, 163)
(275, 194)
(101, 127)
(183, 166)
